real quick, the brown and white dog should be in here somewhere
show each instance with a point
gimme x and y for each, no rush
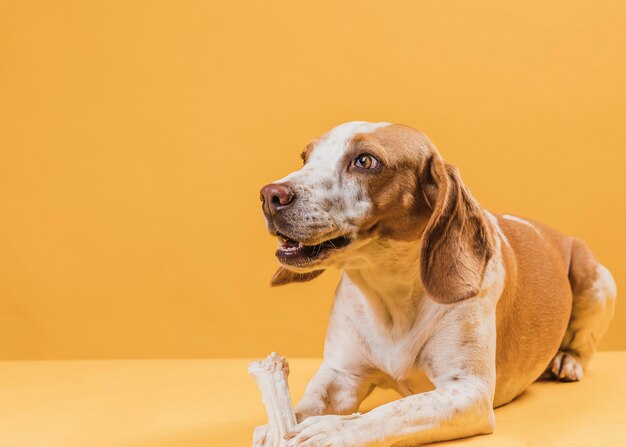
(456, 308)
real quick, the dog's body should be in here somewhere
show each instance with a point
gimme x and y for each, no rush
(457, 309)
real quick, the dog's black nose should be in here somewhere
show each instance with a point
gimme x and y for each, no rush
(276, 196)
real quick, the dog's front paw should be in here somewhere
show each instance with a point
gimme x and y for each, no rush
(328, 431)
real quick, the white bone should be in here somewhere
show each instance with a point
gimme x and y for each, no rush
(270, 375)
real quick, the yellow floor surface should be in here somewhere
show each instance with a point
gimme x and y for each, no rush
(158, 403)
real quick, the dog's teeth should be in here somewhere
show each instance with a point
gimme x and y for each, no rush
(300, 245)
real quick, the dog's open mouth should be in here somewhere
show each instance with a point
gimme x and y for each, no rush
(292, 252)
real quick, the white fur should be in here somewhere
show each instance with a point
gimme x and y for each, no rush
(522, 221)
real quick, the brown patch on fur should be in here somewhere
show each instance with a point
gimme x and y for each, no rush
(534, 309)
(399, 210)
(284, 276)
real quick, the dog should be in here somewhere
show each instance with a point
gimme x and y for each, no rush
(456, 308)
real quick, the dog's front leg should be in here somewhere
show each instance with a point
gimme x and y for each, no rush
(461, 407)
(333, 390)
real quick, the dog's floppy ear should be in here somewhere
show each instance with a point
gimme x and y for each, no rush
(284, 276)
(457, 241)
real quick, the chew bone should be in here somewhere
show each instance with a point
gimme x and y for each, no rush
(271, 378)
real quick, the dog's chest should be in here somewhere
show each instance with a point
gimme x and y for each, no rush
(388, 333)
(395, 351)
(395, 357)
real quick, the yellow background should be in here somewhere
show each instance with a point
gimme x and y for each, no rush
(134, 137)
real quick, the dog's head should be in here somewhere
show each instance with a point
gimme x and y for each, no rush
(363, 183)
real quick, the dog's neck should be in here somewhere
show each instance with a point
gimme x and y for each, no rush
(390, 282)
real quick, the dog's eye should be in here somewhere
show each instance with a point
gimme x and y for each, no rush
(365, 161)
